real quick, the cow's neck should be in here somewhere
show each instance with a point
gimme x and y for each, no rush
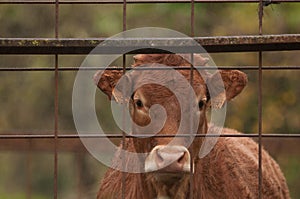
(160, 191)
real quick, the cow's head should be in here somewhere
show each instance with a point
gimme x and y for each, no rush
(169, 159)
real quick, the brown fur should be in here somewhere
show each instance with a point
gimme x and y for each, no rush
(230, 170)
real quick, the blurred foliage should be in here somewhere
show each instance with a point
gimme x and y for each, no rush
(27, 98)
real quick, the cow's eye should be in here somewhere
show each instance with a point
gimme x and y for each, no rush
(139, 103)
(201, 104)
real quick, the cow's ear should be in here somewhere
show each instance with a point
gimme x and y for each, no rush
(225, 85)
(107, 81)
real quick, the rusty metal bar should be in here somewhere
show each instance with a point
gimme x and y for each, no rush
(260, 64)
(38, 69)
(191, 175)
(79, 161)
(260, 125)
(192, 18)
(267, 2)
(124, 144)
(273, 144)
(252, 43)
(112, 135)
(56, 72)
(28, 173)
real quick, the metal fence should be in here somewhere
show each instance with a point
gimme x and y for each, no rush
(66, 46)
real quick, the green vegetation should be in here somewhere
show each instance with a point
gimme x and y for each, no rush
(27, 98)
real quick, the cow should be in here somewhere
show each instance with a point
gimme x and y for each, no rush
(172, 169)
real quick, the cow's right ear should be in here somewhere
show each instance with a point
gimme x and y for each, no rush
(107, 82)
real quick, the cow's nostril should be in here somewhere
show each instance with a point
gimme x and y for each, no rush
(181, 159)
(159, 157)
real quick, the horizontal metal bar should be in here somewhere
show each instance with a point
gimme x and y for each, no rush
(42, 145)
(139, 1)
(64, 136)
(39, 69)
(150, 45)
(273, 145)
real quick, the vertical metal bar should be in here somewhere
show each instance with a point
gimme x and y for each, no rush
(28, 172)
(191, 195)
(56, 103)
(192, 18)
(123, 111)
(124, 15)
(124, 146)
(55, 127)
(260, 126)
(260, 16)
(79, 159)
(260, 13)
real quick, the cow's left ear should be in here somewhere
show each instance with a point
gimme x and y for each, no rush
(225, 85)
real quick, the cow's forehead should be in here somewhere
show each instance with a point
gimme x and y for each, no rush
(164, 82)
(166, 73)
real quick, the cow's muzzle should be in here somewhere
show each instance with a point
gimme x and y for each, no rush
(168, 159)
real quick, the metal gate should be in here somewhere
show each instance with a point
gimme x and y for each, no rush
(56, 142)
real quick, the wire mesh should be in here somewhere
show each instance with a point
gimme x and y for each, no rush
(58, 46)
(265, 2)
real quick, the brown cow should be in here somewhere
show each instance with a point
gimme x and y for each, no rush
(230, 170)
